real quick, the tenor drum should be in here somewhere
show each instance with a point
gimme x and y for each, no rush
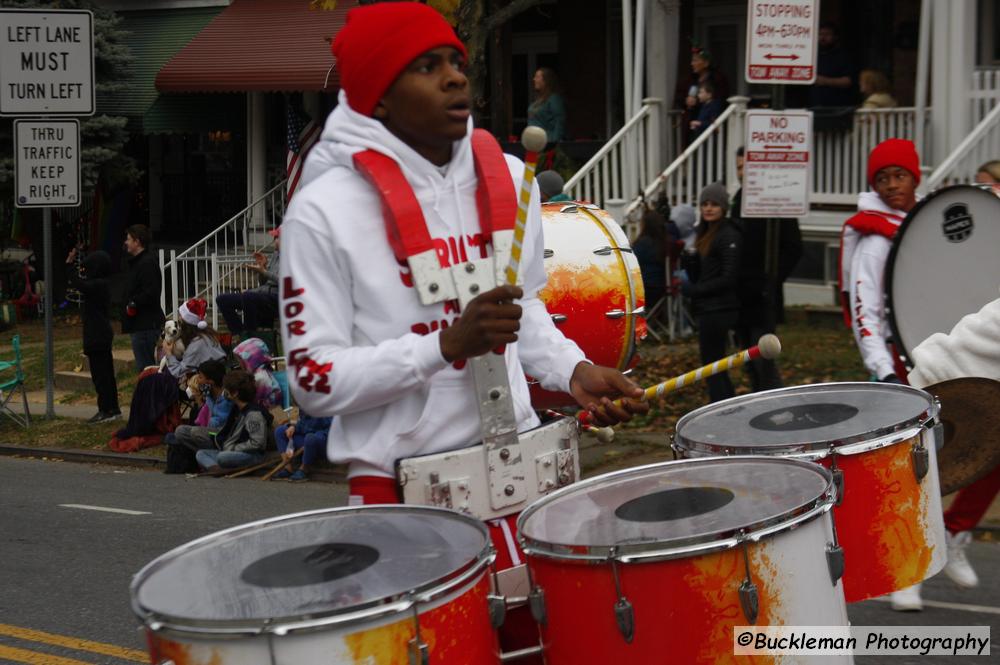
(943, 264)
(594, 292)
(659, 563)
(878, 440)
(352, 585)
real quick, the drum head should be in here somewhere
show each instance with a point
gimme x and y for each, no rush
(943, 264)
(803, 419)
(310, 565)
(670, 507)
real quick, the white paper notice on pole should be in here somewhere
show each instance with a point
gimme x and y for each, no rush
(47, 163)
(46, 62)
(777, 164)
(781, 41)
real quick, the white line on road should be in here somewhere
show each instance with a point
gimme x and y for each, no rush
(104, 509)
(982, 609)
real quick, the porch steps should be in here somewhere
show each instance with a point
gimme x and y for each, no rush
(81, 381)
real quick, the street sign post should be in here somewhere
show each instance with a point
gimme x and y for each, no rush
(777, 164)
(781, 41)
(47, 155)
(46, 62)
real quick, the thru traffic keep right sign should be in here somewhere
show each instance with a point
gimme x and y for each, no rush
(781, 41)
(47, 158)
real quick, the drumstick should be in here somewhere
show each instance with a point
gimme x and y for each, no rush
(533, 139)
(603, 434)
(767, 347)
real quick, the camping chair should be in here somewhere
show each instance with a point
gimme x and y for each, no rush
(11, 386)
(671, 306)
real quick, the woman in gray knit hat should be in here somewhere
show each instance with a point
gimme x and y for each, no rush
(712, 265)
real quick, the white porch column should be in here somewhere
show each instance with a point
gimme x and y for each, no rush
(627, 33)
(662, 35)
(256, 148)
(952, 63)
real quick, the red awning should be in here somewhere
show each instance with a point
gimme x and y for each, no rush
(259, 45)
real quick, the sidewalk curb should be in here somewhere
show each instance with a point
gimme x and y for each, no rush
(331, 476)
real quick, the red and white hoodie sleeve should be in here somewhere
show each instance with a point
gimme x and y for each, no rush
(868, 320)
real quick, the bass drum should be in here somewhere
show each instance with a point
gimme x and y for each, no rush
(594, 292)
(943, 263)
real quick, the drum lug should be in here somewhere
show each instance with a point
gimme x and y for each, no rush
(835, 562)
(498, 609)
(536, 601)
(419, 652)
(921, 460)
(938, 432)
(838, 477)
(749, 598)
(625, 618)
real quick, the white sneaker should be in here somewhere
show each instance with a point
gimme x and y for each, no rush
(907, 600)
(958, 567)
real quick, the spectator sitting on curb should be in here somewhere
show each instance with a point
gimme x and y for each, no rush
(244, 439)
(308, 433)
(205, 389)
(255, 358)
(201, 343)
(260, 304)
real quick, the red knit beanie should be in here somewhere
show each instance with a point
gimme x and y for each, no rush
(379, 41)
(894, 152)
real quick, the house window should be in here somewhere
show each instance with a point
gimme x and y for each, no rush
(989, 33)
(819, 263)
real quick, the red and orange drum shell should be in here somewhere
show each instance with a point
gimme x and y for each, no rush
(878, 438)
(594, 292)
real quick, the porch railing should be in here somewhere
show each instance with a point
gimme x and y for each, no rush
(628, 160)
(215, 264)
(840, 157)
(980, 146)
(985, 93)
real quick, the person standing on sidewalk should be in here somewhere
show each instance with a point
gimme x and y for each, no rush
(144, 317)
(98, 334)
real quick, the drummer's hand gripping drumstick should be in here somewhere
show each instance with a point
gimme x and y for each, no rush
(768, 347)
(533, 139)
(603, 434)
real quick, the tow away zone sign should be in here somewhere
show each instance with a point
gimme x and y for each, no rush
(781, 41)
(777, 164)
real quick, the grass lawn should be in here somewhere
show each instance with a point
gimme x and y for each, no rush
(814, 351)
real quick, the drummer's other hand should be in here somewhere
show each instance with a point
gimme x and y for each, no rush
(594, 387)
(490, 320)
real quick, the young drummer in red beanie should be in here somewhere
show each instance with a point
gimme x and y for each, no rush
(361, 343)
(893, 174)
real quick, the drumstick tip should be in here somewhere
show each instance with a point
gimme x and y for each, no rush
(533, 138)
(604, 434)
(770, 346)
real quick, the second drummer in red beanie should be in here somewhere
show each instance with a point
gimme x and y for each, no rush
(394, 208)
(866, 239)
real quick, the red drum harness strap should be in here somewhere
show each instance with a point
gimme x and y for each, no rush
(508, 472)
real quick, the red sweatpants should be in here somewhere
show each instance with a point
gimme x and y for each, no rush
(519, 629)
(972, 502)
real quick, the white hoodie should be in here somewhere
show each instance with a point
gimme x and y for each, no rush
(863, 261)
(374, 351)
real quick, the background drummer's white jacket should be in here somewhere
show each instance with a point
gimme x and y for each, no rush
(364, 347)
(863, 260)
(972, 348)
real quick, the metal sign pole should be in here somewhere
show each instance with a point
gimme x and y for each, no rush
(47, 303)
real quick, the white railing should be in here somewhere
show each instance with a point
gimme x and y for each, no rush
(840, 157)
(708, 159)
(619, 169)
(215, 264)
(980, 146)
(985, 93)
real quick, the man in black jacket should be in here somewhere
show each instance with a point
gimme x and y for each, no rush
(143, 318)
(762, 302)
(93, 285)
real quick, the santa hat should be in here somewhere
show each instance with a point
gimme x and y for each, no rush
(379, 41)
(193, 313)
(894, 152)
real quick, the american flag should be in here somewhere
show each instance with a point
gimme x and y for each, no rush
(302, 135)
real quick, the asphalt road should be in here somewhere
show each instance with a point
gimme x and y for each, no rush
(65, 570)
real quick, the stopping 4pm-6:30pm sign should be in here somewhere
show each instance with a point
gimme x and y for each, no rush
(781, 41)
